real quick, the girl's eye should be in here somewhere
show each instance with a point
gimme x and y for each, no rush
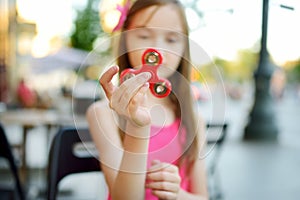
(172, 40)
(143, 36)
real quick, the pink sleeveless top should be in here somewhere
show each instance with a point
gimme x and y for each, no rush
(165, 145)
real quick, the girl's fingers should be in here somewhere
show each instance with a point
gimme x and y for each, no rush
(128, 89)
(166, 195)
(163, 180)
(157, 165)
(155, 162)
(165, 186)
(138, 99)
(106, 79)
(160, 171)
(139, 114)
(132, 85)
(163, 176)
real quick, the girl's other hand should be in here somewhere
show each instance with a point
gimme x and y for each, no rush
(164, 180)
(128, 99)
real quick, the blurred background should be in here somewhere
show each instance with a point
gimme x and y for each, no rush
(49, 41)
(52, 53)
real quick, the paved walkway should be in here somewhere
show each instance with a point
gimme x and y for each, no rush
(262, 170)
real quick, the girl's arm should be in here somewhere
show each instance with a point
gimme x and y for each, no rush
(130, 180)
(123, 162)
(119, 161)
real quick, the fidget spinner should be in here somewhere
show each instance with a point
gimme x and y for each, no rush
(151, 60)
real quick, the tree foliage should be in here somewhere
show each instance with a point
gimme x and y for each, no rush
(87, 27)
(240, 69)
(294, 71)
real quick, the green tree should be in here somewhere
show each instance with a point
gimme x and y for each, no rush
(87, 27)
(240, 69)
(294, 72)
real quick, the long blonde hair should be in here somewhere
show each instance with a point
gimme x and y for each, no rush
(181, 93)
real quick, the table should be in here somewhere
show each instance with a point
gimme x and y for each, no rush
(30, 118)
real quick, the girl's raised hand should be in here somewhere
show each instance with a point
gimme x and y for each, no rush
(164, 180)
(128, 99)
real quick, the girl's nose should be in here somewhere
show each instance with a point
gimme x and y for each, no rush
(161, 47)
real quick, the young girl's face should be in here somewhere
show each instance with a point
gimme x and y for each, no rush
(156, 27)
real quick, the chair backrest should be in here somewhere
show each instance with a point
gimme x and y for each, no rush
(64, 158)
(216, 136)
(6, 152)
(216, 132)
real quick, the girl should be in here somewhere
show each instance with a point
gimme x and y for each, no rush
(149, 147)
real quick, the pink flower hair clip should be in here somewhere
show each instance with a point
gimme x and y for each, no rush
(124, 11)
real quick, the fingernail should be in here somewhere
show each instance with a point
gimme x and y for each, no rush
(115, 67)
(154, 162)
(147, 75)
(146, 85)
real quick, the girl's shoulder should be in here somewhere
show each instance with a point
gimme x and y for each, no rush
(98, 107)
(103, 127)
(99, 112)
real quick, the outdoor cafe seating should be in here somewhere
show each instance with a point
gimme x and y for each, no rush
(71, 150)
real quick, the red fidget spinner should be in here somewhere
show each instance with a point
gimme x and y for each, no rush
(151, 60)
